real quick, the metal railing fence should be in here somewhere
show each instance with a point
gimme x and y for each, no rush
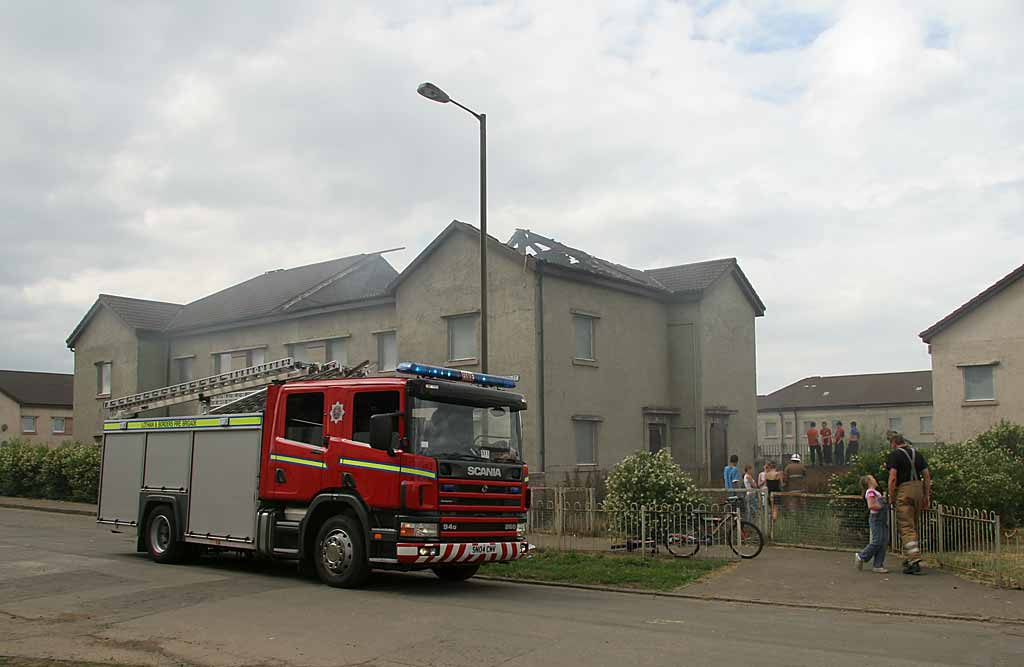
(641, 530)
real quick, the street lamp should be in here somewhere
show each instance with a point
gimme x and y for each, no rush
(432, 92)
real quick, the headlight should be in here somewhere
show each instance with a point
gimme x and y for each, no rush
(418, 530)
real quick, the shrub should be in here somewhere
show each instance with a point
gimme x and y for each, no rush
(649, 479)
(986, 473)
(68, 472)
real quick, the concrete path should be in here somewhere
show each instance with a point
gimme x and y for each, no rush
(72, 590)
(829, 578)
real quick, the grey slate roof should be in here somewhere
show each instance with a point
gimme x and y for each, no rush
(692, 277)
(290, 290)
(142, 313)
(682, 281)
(851, 390)
(978, 300)
(31, 388)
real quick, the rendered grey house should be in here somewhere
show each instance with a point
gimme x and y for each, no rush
(612, 359)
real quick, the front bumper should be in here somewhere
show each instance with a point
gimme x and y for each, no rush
(460, 552)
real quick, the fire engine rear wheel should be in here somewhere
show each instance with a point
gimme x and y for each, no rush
(162, 536)
(340, 554)
(456, 572)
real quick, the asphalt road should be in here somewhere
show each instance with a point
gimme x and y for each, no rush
(72, 590)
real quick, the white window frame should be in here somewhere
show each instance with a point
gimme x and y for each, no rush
(577, 318)
(104, 388)
(896, 424)
(453, 321)
(182, 362)
(63, 425)
(254, 356)
(773, 432)
(787, 429)
(594, 424)
(329, 345)
(931, 424)
(35, 424)
(991, 378)
(382, 336)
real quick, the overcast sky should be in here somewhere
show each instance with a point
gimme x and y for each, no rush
(864, 161)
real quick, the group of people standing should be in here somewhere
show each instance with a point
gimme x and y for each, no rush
(829, 446)
(771, 479)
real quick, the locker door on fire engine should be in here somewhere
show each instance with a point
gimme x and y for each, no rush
(374, 471)
(298, 447)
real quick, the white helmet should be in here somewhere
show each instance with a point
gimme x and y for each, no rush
(795, 458)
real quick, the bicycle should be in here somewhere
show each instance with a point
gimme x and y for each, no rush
(747, 542)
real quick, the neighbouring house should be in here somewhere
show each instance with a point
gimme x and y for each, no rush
(878, 402)
(36, 407)
(978, 361)
(612, 359)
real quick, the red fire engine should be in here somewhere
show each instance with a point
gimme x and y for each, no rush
(342, 475)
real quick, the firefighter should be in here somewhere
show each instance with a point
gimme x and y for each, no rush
(910, 484)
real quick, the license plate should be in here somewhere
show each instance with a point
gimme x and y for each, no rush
(483, 548)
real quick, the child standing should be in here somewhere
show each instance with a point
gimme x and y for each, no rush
(750, 484)
(879, 523)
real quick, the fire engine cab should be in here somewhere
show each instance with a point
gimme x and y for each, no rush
(421, 470)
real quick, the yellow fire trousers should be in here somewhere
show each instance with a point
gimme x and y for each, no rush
(909, 503)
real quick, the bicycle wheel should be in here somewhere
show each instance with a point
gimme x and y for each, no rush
(682, 545)
(751, 542)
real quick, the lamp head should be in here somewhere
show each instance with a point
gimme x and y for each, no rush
(432, 92)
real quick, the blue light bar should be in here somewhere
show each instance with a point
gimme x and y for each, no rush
(442, 373)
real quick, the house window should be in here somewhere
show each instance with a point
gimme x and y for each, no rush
(387, 351)
(978, 385)
(103, 378)
(585, 432)
(462, 337)
(337, 350)
(895, 423)
(304, 418)
(771, 429)
(224, 362)
(58, 425)
(657, 437)
(583, 327)
(28, 424)
(926, 424)
(787, 429)
(184, 369)
(299, 352)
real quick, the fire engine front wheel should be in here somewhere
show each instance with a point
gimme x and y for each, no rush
(340, 553)
(456, 572)
(161, 536)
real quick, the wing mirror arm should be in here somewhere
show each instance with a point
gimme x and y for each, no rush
(382, 426)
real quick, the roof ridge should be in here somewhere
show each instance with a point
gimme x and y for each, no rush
(135, 298)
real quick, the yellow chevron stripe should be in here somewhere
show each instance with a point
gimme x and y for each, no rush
(298, 461)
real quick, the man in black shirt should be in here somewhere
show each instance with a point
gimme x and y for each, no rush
(910, 484)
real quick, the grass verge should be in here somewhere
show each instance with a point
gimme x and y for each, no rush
(659, 574)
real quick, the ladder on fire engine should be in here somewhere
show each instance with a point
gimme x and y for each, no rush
(204, 389)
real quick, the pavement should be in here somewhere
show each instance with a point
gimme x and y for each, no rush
(43, 505)
(70, 589)
(829, 579)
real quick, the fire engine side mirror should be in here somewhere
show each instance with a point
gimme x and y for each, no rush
(382, 428)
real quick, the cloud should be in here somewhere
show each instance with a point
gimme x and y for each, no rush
(861, 159)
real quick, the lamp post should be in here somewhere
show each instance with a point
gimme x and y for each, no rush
(432, 92)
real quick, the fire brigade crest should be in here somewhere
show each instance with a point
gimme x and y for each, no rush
(337, 412)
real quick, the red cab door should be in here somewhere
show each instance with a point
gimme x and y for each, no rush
(298, 448)
(373, 472)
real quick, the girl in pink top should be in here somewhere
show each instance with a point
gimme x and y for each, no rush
(878, 521)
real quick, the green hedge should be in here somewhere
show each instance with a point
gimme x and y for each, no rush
(68, 472)
(985, 472)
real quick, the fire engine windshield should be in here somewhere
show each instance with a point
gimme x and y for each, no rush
(451, 430)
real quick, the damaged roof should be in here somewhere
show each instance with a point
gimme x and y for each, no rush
(682, 280)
